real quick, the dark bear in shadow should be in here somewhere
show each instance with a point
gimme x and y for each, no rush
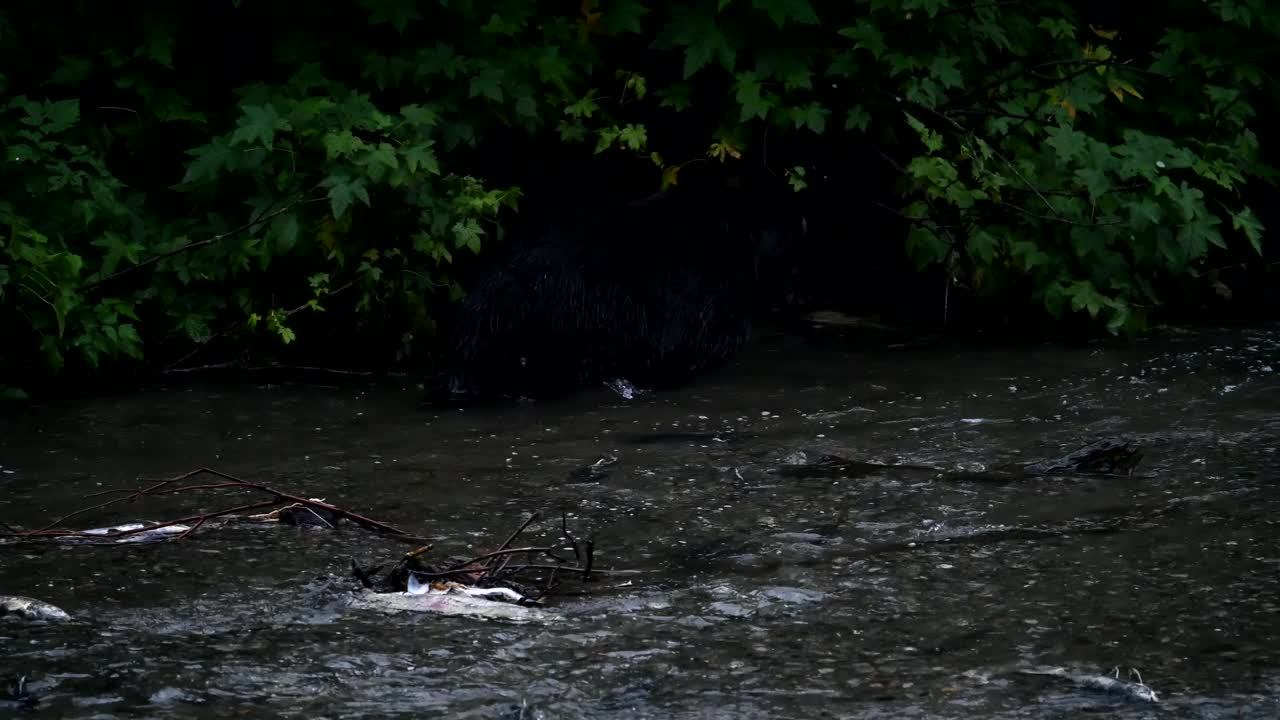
(652, 292)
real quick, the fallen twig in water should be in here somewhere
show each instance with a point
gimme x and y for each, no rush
(588, 548)
(320, 510)
(510, 539)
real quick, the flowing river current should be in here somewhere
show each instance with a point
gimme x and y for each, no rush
(776, 584)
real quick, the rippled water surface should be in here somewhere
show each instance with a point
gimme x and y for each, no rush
(774, 590)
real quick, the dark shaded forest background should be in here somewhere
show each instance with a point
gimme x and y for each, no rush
(187, 184)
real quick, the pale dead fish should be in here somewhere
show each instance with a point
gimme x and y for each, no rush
(419, 588)
(1138, 691)
(30, 609)
(450, 603)
(416, 587)
(145, 536)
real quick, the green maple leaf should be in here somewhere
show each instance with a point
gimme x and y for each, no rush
(396, 12)
(1190, 200)
(117, 249)
(1246, 222)
(1145, 213)
(1058, 28)
(554, 68)
(792, 69)
(422, 156)
(702, 38)
(930, 7)
(71, 71)
(1095, 182)
(623, 16)
(284, 230)
(488, 82)
(259, 123)
(572, 132)
(380, 159)
(857, 119)
(780, 11)
(466, 233)
(747, 93)
(197, 329)
(420, 116)
(866, 35)
(944, 69)
(582, 108)
(633, 136)
(813, 116)
(1068, 143)
(440, 60)
(61, 115)
(159, 47)
(339, 144)
(983, 245)
(526, 106)
(209, 160)
(344, 191)
(678, 95)
(696, 57)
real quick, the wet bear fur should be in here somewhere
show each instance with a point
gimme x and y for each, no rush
(653, 292)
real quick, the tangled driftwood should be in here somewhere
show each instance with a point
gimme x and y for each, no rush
(473, 582)
(321, 512)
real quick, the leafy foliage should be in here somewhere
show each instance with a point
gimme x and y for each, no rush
(223, 174)
(1058, 169)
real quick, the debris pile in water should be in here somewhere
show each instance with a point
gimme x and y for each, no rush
(494, 585)
(497, 584)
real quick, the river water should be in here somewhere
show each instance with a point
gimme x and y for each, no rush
(772, 589)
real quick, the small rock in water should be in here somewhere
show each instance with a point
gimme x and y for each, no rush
(748, 560)
(728, 609)
(171, 695)
(800, 551)
(796, 458)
